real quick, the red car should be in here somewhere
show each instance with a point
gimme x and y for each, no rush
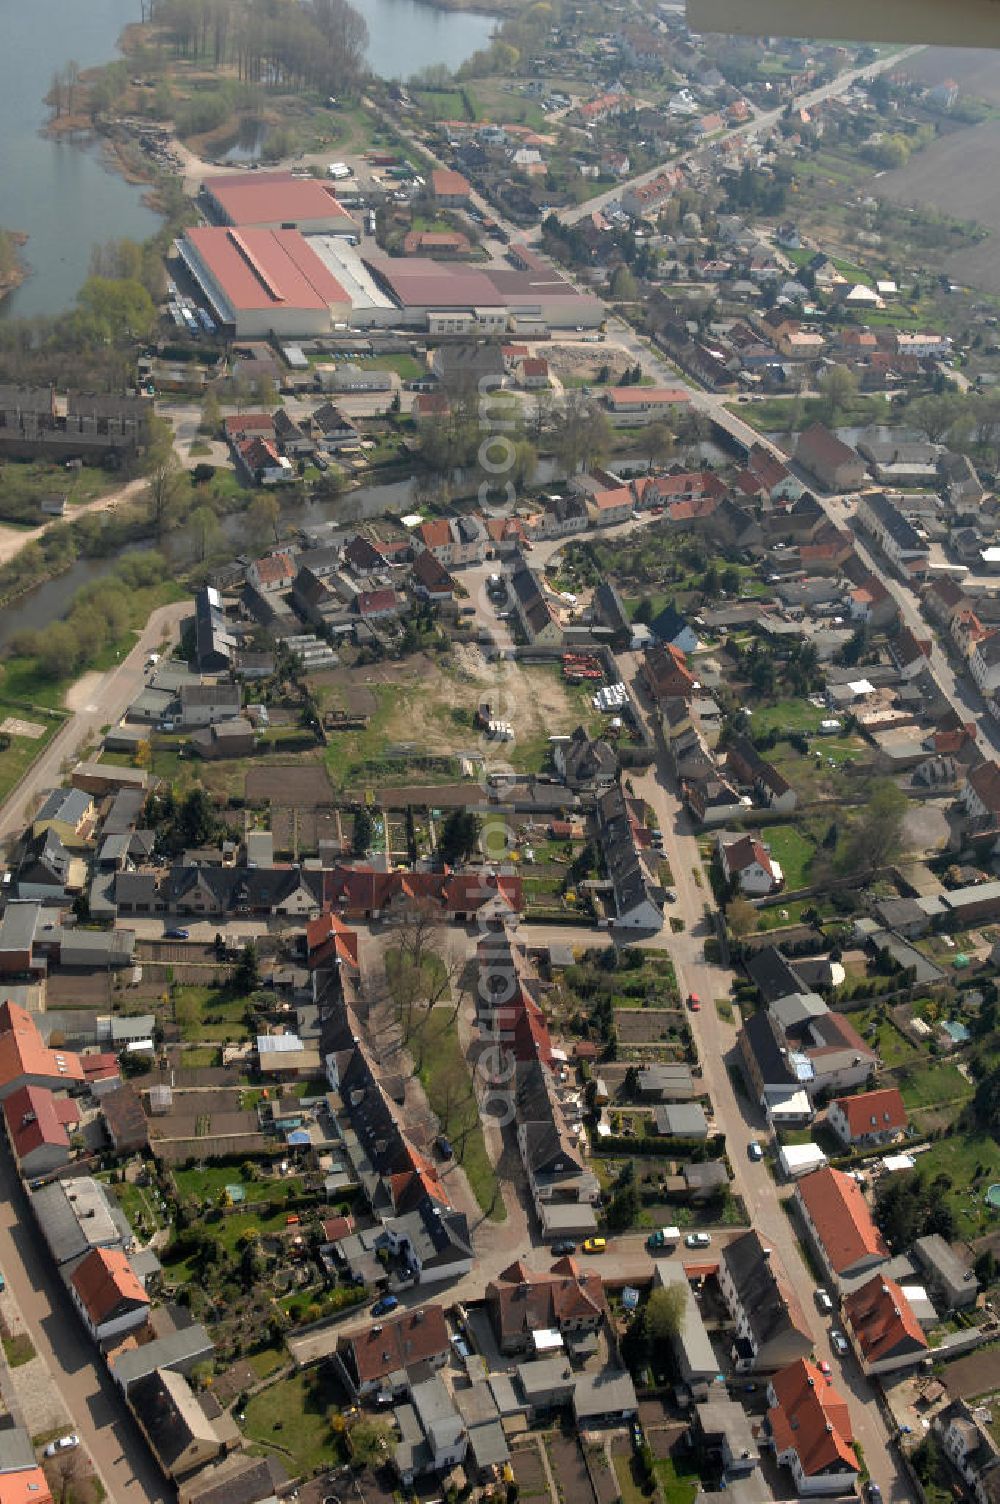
(694, 1002)
(824, 1368)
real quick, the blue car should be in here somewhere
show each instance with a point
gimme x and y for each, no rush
(178, 933)
(385, 1305)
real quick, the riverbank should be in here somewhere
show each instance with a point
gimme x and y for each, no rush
(18, 270)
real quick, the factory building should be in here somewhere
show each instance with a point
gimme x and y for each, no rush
(276, 201)
(263, 282)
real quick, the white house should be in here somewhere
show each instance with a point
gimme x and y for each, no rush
(984, 664)
(981, 794)
(748, 862)
(108, 1294)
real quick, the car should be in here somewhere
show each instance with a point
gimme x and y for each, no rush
(841, 1346)
(564, 1247)
(595, 1245)
(754, 1151)
(657, 511)
(694, 1002)
(698, 1240)
(3, 1283)
(823, 1300)
(670, 896)
(62, 1444)
(443, 1145)
(177, 933)
(462, 1349)
(385, 1305)
(872, 1492)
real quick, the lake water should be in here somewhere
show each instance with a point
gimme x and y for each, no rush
(61, 195)
(406, 35)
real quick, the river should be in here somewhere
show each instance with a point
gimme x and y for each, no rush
(62, 195)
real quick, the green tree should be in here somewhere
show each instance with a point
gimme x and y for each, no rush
(664, 1313)
(246, 976)
(459, 836)
(935, 414)
(623, 285)
(837, 386)
(371, 1442)
(624, 1208)
(263, 516)
(364, 831)
(876, 837)
(205, 531)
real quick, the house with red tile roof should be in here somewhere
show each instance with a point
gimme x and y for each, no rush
(38, 1127)
(566, 1299)
(26, 1486)
(810, 1429)
(330, 942)
(748, 862)
(108, 1294)
(449, 188)
(840, 1226)
(26, 1061)
(872, 1117)
(981, 794)
(666, 673)
(273, 572)
(835, 464)
(609, 507)
(886, 1331)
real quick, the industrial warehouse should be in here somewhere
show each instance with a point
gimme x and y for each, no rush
(284, 259)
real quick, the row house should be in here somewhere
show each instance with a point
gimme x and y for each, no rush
(837, 1218)
(887, 1333)
(903, 546)
(809, 1429)
(771, 1325)
(749, 769)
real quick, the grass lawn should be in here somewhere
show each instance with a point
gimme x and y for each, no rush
(292, 1419)
(893, 1047)
(446, 1078)
(972, 1162)
(18, 1349)
(16, 759)
(139, 1205)
(933, 1083)
(678, 1480)
(207, 1182)
(209, 1013)
(787, 715)
(782, 914)
(790, 414)
(793, 851)
(406, 367)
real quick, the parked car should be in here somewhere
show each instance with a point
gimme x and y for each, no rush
(63, 1444)
(754, 1151)
(462, 1349)
(177, 933)
(563, 1247)
(841, 1346)
(698, 1240)
(694, 1002)
(595, 1245)
(824, 1368)
(823, 1301)
(443, 1146)
(663, 1237)
(385, 1305)
(872, 1492)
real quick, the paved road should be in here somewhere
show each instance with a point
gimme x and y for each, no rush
(740, 1119)
(118, 1451)
(762, 123)
(108, 697)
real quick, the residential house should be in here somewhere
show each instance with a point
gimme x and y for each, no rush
(433, 1240)
(724, 1434)
(638, 900)
(68, 812)
(38, 1126)
(432, 1436)
(214, 642)
(549, 1142)
(771, 1326)
(634, 405)
(108, 1294)
(180, 1434)
(273, 573)
(981, 794)
(840, 1226)
(898, 539)
(671, 628)
(331, 429)
(697, 1364)
(430, 579)
(984, 664)
(969, 1445)
(375, 1359)
(947, 1273)
(562, 516)
(584, 764)
(450, 189)
(809, 1428)
(747, 863)
(521, 1301)
(26, 1061)
(749, 768)
(886, 1332)
(535, 613)
(834, 464)
(666, 674)
(873, 1117)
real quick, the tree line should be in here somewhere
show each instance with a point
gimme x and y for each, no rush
(318, 44)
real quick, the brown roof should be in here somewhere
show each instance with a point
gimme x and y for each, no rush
(985, 780)
(883, 1320)
(840, 1215)
(818, 443)
(106, 1282)
(394, 1345)
(449, 184)
(524, 1299)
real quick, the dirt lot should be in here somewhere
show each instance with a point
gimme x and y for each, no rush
(956, 176)
(977, 73)
(430, 705)
(304, 829)
(646, 1025)
(569, 1467)
(304, 786)
(979, 1373)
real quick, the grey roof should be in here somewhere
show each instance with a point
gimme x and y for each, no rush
(765, 1295)
(608, 1393)
(681, 1120)
(903, 534)
(76, 1216)
(179, 1349)
(70, 805)
(692, 1342)
(773, 974)
(124, 811)
(936, 1254)
(17, 928)
(16, 1450)
(169, 1414)
(544, 1376)
(238, 1480)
